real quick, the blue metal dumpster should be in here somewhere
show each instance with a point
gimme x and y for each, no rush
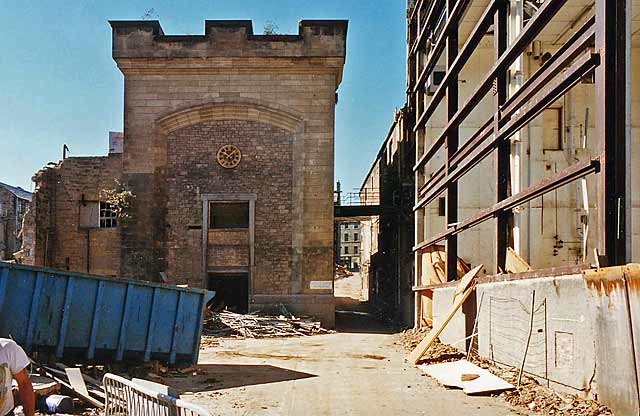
(99, 318)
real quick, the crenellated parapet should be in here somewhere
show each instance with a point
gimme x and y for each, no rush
(228, 38)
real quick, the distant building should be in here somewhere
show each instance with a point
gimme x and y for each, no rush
(14, 202)
(350, 245)
(387, 240)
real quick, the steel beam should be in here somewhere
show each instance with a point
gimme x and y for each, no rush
(451, 25)
(533, 28)
(573, 172)
(577, 43)
(612, 129)
(464, 54)
(451, 247)
(502, 164)
(539, 102)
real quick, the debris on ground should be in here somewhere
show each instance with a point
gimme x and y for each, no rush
(530, 395)
(256, 325)
(342, 271)
(467, 376)
(62, 389)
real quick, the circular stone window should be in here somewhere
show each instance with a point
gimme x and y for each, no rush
(229, 156)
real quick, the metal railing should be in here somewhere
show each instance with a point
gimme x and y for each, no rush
(124, 397)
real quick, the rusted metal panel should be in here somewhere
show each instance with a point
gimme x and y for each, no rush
(616, 360)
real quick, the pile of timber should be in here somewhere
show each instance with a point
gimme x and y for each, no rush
(256, 325)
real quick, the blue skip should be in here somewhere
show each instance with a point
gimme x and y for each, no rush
(99, 318)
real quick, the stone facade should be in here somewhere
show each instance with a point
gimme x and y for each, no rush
(387, 240)
(14, 203)
(63, 228)
(270, 96)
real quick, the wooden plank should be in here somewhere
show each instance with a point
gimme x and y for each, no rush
(425, 344)
(466, 281)
(44, 386)
(515, 263)
(50, 373)
(87, 379)
(76, 381)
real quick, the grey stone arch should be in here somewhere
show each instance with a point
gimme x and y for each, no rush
(246, 109)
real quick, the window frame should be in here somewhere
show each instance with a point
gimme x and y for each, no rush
(106, 221)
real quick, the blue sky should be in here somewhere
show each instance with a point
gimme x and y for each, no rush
(58, 83)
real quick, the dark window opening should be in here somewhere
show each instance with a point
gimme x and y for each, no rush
(232, 291)
(107, 216)
(442, 206)
(229, 215)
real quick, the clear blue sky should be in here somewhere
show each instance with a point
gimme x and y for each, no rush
(58, 83)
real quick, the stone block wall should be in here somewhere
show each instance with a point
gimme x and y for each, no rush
(184, 97)
(61, 240)
(274, 97)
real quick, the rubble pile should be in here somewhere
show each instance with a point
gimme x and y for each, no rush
(257, 325)
(342, 271)
(438, 353)
(530, 395)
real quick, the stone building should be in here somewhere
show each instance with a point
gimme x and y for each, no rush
(350, 244)
(228, 151)
(14, 202)
(387, 239)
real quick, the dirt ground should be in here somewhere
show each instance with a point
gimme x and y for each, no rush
(359, 370)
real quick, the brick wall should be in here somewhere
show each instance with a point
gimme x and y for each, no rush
(8, 240)
(266, 170)
(60, 240)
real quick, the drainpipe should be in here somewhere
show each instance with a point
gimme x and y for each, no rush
(515, 14)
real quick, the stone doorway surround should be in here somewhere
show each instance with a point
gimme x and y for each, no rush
(206, 200)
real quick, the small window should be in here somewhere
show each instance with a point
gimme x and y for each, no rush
(442, 206)
(355, 236)
(355, 250)
(346, 237)
(225, 215)
(346, 249)
(107, 216)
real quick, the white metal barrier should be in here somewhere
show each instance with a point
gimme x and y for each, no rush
(125, 398)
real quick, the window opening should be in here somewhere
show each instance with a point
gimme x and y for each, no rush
(225, 215)
(107, 216)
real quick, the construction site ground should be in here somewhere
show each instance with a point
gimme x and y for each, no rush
(358, 370)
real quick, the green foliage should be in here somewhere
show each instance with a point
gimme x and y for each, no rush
(119, 198)
(271, 28)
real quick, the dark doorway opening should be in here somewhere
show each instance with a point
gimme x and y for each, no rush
(232, 291)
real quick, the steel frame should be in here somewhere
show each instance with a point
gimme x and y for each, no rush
(433, 27)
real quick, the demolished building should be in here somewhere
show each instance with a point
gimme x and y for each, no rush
(526, 147)
(227, 155)
(14, 203)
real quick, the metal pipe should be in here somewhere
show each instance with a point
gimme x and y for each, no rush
(516, 14)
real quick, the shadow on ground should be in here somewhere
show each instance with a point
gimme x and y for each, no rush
(212, 377)
(353, 316)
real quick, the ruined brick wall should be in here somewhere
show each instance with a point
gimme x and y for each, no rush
(60, 239)
(7, 224)
(265, 170)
